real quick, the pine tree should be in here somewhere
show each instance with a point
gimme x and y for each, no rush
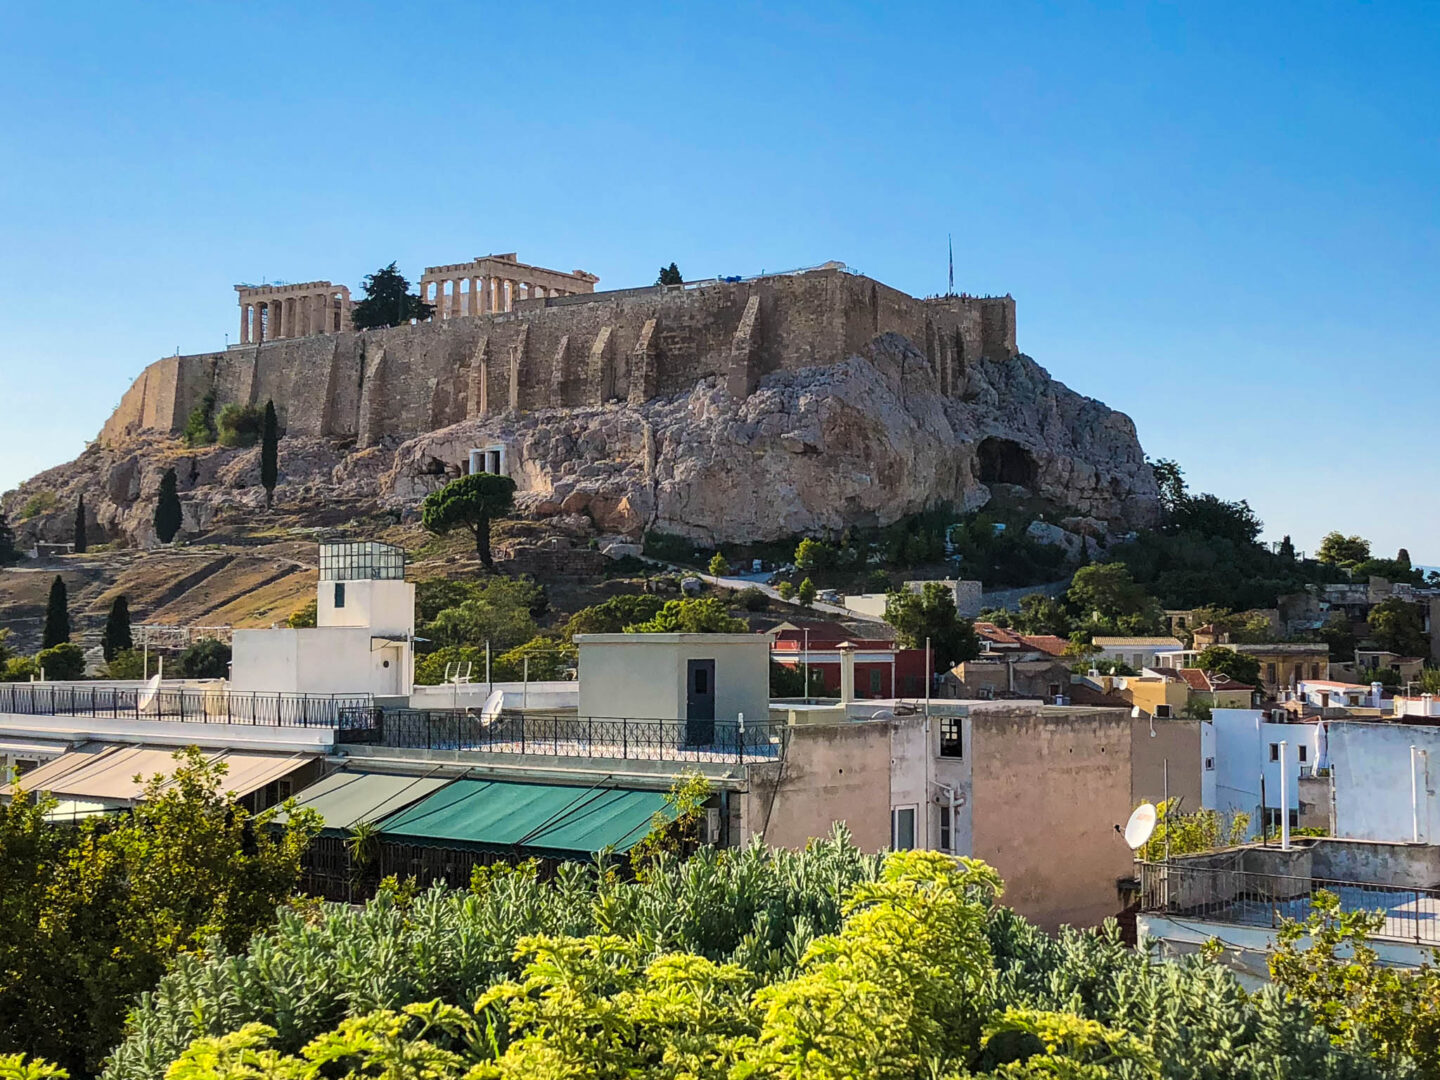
(167, 508)
(670, 275)
(117, 637)
(80, 531)
(269, 453)
(57, 616)
(1403, 558)
(388, 301)
(8, 555)
(1287, 548)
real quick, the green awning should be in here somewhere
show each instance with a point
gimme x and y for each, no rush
(345, 798)
(542, 817)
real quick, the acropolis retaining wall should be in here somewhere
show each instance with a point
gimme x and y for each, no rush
(633, 344)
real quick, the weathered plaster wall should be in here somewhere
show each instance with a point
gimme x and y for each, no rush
(1175, 745)
(1372, 768)
(1048, 789)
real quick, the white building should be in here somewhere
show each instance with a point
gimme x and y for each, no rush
(363, 640)
(1385, 780)
(1250, 753)
(699, 678)
(1137, 652)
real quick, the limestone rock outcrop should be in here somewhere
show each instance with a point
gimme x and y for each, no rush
(861, 442)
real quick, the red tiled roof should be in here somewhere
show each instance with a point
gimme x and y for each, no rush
(1046, 643)
(1199, 680)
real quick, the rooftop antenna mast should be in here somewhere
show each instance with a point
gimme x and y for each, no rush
(951, 242)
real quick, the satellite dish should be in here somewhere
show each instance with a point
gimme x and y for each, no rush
(146, 697)
(490, 711)
(1140, 826)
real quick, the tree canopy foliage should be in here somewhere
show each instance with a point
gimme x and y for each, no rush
(692, 615)
(670, 275)
(388, 301)
(168, 515)
(470, 502)
(1337, 549)
(93, 912)
(269, 452)
(749, 963)
(57, 615)
(1222, 660)
(930, 615)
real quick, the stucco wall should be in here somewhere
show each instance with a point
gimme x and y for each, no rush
(642, 676)
(1371, 768)
(385, 607)
(1049, 786)
(1175, 743)
(831, 773)
(318, 660)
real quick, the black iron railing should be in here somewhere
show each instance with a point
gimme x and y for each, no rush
(581, 736)
(348, 712)
(1246, 898)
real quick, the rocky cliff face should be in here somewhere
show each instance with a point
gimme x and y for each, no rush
(861, 442)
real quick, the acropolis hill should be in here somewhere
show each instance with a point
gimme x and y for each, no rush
(728, 409)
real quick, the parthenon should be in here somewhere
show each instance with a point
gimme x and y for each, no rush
(273, 312)
(495, 284)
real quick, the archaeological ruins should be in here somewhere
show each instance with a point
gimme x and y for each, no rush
(506, 336)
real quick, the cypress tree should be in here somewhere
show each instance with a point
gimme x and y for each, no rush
(80, 541)
(57, 616)
(117, 637)
(8, 555)
(167, 508)
(269, 453)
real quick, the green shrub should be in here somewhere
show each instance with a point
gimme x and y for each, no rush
(38, 503)
(240, 425)
(304, 616)
(752, 599)
(208, 658)
(127, 664)
(200, 426)
(62, 662)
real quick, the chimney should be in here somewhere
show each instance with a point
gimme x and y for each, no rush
(847, 672)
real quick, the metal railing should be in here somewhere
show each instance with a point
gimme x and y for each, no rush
(581, 736)
(1247, 898)
(198, 705)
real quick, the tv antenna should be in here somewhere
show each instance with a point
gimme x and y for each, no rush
(1140, 827)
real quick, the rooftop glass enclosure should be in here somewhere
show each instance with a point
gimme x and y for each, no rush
(361, 560)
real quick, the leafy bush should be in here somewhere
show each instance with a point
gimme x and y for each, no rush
(62, 662)
(200, 425)
(208, 658)
(304, 616)
(126, 664)
(548, 658)
(752, 599)
(92, 913)
(240, 425)
(667, 547)
(707, 615)
(38, 503)
(613, 615)
(499, 610)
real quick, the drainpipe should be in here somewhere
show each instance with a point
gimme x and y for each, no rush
(1414, 797)
(847, 672)
(1284, 798)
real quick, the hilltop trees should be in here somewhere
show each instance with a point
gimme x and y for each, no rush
(471, 502)
(117, 638)
(57, 615)
(1337, 549)
(670, 275)
(1398, 627)
(269, 453)
(388, 301)
(8, 555)
(81, 533)
(168, 515)
(930, 614)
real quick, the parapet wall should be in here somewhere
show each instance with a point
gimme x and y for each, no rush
(632, 344)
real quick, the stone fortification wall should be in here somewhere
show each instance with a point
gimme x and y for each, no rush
(632, 345)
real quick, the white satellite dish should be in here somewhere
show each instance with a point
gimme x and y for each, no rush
(490, 711)
(1140, 827)
(146, 697)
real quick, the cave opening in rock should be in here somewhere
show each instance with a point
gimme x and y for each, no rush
(1005, 462)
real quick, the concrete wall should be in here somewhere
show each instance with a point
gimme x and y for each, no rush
(1371, 769)
(318, 660)
(1175, 745)
(1049, 787)
(831, 773)
(384, 607)
(642, 676)
(565, 351)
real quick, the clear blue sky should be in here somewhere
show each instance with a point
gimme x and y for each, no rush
(1219, 218)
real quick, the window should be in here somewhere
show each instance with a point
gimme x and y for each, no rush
(1272, 818)
(945, 841)
(702, 680)
(1209, 764)
(1301, 750)
(875, 688)
(952, 744)
(1270, 673)
(902, 828)
(1274, 751)
(339, 594)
